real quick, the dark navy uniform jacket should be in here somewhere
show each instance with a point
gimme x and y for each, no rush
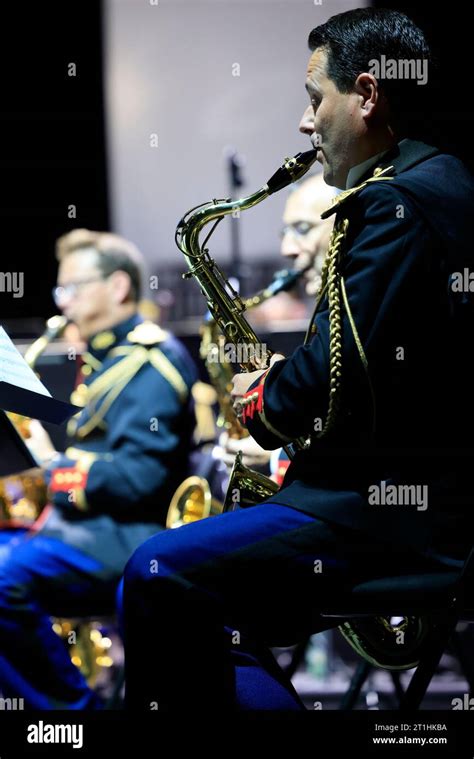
(130, 444)
(408, 240)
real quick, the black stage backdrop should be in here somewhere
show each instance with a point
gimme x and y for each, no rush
(52, 148)
(449, 31)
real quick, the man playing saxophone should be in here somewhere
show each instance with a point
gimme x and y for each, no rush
(369, 397)
(110, 490)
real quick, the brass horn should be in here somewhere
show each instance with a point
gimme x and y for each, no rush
(192, 501)
(247, 487)
(393, 643)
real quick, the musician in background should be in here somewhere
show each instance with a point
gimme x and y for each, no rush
(110, 490)
(372, 391)
(305, 236)
(304, 242)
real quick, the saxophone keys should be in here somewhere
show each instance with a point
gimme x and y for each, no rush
(238, 408)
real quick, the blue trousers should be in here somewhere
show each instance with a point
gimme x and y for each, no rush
(203, 604)
(42, 576)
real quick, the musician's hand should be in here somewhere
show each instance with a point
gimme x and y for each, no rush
(276, 357)
(39, 442)
(241, 382)
(252, 453)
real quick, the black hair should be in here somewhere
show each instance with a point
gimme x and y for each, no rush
(355, 38)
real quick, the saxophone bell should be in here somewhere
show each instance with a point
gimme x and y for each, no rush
(247, 487)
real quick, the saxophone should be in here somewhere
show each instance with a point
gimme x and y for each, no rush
(226, 309)
(213, 343)
(224, 304)
(193, 499)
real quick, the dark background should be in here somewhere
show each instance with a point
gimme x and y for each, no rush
(52, 150)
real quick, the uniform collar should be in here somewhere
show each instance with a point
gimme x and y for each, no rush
(357, 172)
(406, 154)
(101, 343)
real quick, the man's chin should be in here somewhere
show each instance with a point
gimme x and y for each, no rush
(84, 332)
(330, 178)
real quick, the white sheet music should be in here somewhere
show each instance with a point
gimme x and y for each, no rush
(15, 370)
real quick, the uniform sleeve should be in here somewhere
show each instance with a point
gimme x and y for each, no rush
(385, 256)
(144, 434)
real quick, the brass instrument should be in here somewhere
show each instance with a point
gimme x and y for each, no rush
(23, 496)
(193, 499)
(247, 487)
(213, 342)
(374, 638)
(224, 303)
(55, 326)
(378, 639)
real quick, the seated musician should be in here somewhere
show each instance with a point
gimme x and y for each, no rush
(110, 490)
(381, 388)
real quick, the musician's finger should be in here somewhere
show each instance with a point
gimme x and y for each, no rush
(276, 357)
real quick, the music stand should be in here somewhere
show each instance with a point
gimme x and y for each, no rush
(15, 456)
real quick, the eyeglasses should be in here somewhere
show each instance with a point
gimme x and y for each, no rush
(63, 292)
(298, 229)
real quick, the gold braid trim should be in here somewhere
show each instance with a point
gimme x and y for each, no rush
(360, 348)
(104, 390)
(379, 176)
(108, 387)
(331, 281)
(163, 365)
(92, 361)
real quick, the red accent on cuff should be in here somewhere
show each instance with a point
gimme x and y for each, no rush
(257, 404)
(67, 478)
(281, 471)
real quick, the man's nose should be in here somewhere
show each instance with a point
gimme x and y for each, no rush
(307, 121)
(289, 246)
(63, 300)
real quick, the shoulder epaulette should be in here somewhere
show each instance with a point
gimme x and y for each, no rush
(147, 333)
(379, 175)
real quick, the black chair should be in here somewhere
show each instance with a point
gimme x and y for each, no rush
(446, 597)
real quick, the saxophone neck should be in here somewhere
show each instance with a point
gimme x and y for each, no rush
(188, 229)
(54, 327)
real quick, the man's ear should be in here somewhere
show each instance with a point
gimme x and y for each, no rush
(367, 87)
(121, 284)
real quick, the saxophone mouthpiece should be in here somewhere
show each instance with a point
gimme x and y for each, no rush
(292, 170)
